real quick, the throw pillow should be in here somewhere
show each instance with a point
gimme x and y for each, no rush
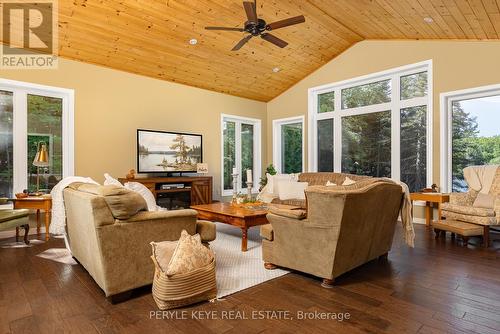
(109, 180)
(162, 252)
(274, 180)
(189, 255)
(330, 184)
(348, 181)
(292, 190)
(145, 193)
(123, 203)
(484, 201)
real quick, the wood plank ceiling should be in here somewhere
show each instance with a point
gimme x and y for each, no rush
(150, 37)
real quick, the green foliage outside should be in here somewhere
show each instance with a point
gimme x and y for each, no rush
(291, 148)
(269, 170)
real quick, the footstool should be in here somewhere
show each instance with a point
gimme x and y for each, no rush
(10, 219)
(465, 230)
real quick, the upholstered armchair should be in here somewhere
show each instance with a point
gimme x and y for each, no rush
(345, 227)
(481, 203)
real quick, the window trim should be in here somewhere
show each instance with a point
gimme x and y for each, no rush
(257, 151)
(396, 104)
(446, 100)
(20, 90)
(277, 124)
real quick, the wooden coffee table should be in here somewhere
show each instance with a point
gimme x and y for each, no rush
(241, 216)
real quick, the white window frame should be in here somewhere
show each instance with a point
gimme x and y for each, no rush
(257, 151)
(446, 101)
(20, 127)
(277, 144)
(394, 106)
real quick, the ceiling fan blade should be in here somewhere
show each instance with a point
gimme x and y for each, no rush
(250, 10)
(275, 40)
(225, 28)
(243, 41)
(286, 22)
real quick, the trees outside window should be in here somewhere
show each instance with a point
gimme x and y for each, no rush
(378, 126)
(241, 150)
(288, 144)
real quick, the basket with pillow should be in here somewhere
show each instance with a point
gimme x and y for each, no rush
(184, 272)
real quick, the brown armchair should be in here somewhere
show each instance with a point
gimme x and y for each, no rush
(345, 228)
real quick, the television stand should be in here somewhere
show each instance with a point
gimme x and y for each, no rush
(178, 192)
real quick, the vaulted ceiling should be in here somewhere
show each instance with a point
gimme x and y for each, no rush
(150, 37)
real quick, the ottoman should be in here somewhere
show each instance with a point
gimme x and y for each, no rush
(463, 229)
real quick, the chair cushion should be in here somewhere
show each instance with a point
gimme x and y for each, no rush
(6, 215)
(294, 214)
(450, 215)
(468, 210)
(458, 227)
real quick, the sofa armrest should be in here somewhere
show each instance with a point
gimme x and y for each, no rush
(206, 230)
(294, 213)
(143, 216)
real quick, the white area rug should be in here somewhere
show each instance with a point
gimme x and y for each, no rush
(237, 270)
(20, 244)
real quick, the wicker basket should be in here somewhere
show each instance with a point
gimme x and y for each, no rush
(183, 289)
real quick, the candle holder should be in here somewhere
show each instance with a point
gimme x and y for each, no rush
(235, 188)
(249, 191)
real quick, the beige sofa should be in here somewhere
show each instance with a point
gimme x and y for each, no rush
(345, 227)
(109, 233)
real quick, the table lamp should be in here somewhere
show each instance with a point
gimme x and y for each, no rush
(41, 160)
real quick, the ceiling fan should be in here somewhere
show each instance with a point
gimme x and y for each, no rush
(258, 27)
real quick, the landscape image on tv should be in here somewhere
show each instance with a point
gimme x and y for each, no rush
(167, 151)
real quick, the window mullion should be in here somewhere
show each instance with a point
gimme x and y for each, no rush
(237, 145)
(19, 140)
(395, 129)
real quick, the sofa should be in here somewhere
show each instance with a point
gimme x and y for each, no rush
(343, 228)
(109, 233)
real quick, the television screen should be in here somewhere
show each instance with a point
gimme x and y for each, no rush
(159, 152)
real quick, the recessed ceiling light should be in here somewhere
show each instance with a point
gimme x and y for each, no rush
(428, 19)
(276, 69)
(193, 41)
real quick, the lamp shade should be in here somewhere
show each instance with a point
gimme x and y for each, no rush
(42, 156)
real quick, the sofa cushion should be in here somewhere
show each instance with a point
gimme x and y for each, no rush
(6, 215)
(486, 201)
(189, 255)
(468, 210)
(122, 202)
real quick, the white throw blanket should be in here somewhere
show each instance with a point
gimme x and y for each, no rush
(58, 222)
(480, 178)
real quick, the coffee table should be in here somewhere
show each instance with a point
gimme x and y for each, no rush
(242, 216)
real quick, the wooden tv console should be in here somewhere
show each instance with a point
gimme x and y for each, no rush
(199, 187)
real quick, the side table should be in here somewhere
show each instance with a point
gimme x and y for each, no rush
(430, 199)
(36, 203)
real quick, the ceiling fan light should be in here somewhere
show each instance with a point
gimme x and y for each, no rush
(276, 69)
(428, 19)
(193, 41)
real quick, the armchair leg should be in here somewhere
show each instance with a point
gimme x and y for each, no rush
(270, 266)
(486, 236)
(327, 283)
(465, 241)
(437, 233)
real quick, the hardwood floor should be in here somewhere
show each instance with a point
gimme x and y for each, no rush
(437, 287)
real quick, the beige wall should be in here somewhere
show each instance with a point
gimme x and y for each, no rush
(110, 105)
(456, 65)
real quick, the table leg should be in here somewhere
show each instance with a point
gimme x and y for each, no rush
(38, 222)
(244, 238)
(47, 223)
(486, 236)
(428, 213)
(439, 212)
(26, 232)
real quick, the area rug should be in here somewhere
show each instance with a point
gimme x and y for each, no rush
(237, 270)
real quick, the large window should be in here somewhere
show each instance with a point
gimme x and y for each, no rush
(32, 116)
(241, 150)
(288, 144)
(377, 125)
(471, 133)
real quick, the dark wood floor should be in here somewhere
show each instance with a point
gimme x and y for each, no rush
(436, 287)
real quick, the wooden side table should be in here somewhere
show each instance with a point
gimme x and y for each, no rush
(36, 203)
(430, 199)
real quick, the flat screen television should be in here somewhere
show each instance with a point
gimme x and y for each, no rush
(168, 152)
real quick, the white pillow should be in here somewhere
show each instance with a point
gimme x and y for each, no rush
(292, 190)
(330, 184)
(348, 181)
(274, 180)
(109, 180)
(145, 193)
